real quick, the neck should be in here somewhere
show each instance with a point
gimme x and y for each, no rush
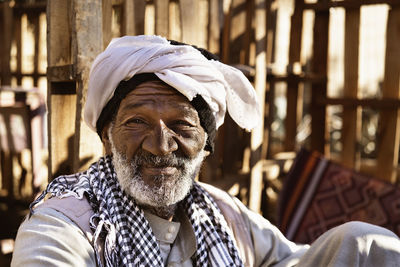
(166, 213)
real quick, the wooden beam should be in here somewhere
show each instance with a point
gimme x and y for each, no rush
(175, 28)
(388, 140)
(107, 9)
(162, 18)
(326, 5)
(226, 33)
(190, 18)
(87, 38)
(292, 93)
(319, 90)
(139, 11)
(257, 135)
(61, 73)
(5, 44)
(36, 26)
(133, 17)
(18, 43)
(214, 27)
(237, 50)
(351, 129)
(61, 121)
(374, 103)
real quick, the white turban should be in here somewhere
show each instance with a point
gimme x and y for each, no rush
(182, 67)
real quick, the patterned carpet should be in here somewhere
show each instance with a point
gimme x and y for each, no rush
(319, 194)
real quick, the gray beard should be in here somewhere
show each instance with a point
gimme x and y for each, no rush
(168, 191)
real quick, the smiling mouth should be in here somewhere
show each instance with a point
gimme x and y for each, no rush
(159, 170)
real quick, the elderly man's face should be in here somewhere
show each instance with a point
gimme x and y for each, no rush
(157, 144)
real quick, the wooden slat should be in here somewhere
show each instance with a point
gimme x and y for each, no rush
(232, 134)
(88, 36)
(6, 38)
(128, 18)
(162, 19)
(214, 30)
(190, 18)
(18, 43)
(202, 25)
(319, 90)
(36, 26)
(374, 103)
(7, 172)
(175, 29)
(257, 135)
(59, 34)
(351, 130)
(61, 73)
(388, 140)
(237, 51)
(139, 16)
(326, 5)
(134, 13)
(61, 127)
(106, 22)
(226, 34)
(61, 132)
(270, 95)
(249, 32)
(292, 94)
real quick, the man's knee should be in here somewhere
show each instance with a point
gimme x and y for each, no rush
(354, 244)
(360, 230)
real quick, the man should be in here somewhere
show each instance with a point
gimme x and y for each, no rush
(156, 106)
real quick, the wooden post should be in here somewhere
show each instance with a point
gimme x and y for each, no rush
(87, 39)
(292, 116)
(61, 88)
(133, 17)
(5, 44)
(74, 38)
(162, 19)
(215, 10)
(106, 22)
(388, 140)
(18, 43)
(351, 131)
(175, 29)
(190, 19)
(256, 182)
(319, 90)
(35, 22)
(237, 51)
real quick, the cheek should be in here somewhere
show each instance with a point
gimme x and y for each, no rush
(127, 143)
(193, 145)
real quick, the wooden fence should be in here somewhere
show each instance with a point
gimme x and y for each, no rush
(246, 34)
(23, 49)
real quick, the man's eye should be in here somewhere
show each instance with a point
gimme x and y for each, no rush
(181, 123)
(135, 121)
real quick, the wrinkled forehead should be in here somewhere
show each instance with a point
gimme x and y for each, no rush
(157, 93)
(156, 87)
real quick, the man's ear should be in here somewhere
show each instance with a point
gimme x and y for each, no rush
(106, 139)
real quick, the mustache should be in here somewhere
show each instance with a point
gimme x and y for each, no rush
(143, 158)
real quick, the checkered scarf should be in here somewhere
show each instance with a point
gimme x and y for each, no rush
(120, 222)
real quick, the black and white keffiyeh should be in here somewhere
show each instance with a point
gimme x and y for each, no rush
(129, 240)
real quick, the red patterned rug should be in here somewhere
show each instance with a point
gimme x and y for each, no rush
(319, 194)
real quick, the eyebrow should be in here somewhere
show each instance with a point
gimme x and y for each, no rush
(133, 105)
(186, 111)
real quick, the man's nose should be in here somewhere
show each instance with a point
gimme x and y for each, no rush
(160, 141)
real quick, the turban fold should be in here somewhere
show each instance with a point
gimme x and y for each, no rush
(180, 66)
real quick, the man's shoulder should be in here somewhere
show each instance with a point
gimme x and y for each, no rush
(227, 203)
(217, 193)
(77, 210)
